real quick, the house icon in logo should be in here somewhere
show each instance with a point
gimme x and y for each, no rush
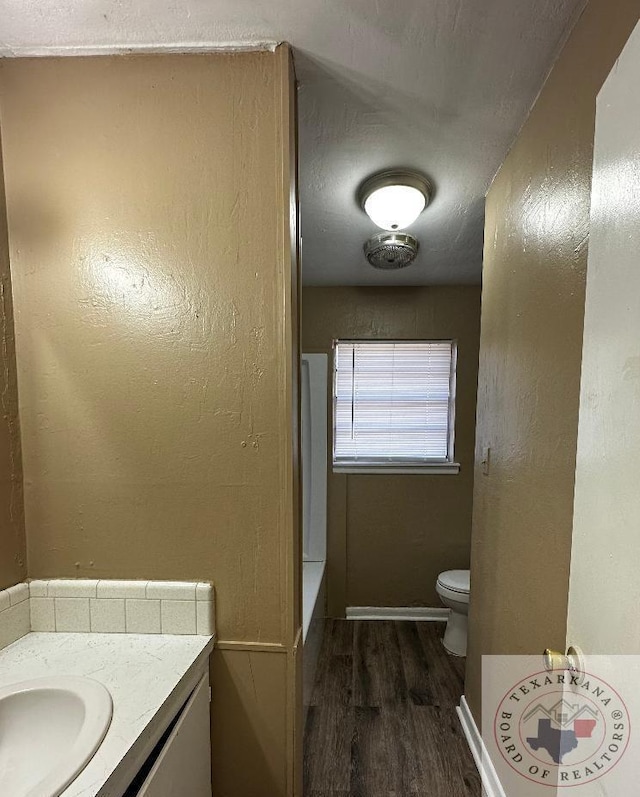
(560, 728)
(564, 714)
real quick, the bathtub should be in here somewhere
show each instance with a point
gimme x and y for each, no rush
(314, 512)
(313, 596)
(313, 614)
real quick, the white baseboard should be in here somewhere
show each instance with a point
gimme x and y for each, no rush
(491, 786)
(434, 614)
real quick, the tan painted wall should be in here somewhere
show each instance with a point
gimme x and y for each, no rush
(149, 227)
(13, 559)
(537, 226)
(390, 536)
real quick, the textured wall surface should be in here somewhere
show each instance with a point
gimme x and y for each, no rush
(389, 536)
(13, 560)
(537, 227)
(148, 206)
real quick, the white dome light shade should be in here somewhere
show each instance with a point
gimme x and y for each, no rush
(395, 207)
(394, 200)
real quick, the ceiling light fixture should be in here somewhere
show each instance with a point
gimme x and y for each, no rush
(394, 199)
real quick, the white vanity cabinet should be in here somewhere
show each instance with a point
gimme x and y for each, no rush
(181, 764)
(158, 743)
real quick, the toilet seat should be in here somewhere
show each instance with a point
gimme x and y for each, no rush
(455, 581)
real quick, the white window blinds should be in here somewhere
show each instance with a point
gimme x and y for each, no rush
(393, 402)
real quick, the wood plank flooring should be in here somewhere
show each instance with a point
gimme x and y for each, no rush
(382, 719)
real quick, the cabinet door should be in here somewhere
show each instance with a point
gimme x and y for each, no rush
(184, 764)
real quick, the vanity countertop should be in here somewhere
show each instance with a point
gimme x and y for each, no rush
(149, 677)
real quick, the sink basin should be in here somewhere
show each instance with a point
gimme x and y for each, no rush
(49, 730)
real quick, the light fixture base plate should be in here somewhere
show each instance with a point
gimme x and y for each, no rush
(391, 250)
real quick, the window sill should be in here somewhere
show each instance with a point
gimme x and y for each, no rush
(435, 469)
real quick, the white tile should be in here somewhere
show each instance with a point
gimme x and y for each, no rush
(72, 614)
(204, 591)
(42, 614)
(38, 588)
(18, 594)
(204, 618)
(172, 590)
(112, 588)
(73, 588)
(14, 623)
(142, 616)
(107, 615)
(5, 600)
(178, 617)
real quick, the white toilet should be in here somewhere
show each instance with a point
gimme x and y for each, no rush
(453, 588)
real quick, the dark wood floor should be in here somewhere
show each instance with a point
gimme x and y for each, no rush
(382, 719)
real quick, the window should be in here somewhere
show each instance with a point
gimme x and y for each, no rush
(394, 405)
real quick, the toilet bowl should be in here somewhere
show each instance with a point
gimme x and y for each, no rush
(453, 588)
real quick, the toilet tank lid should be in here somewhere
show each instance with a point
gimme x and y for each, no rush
(456, 580)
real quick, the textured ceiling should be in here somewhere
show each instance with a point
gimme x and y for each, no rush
(441, 86)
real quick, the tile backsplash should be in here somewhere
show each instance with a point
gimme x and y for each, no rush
(106, 607)
(14, 614)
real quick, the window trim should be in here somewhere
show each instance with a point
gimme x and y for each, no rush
(438, 468)
(447, 466)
